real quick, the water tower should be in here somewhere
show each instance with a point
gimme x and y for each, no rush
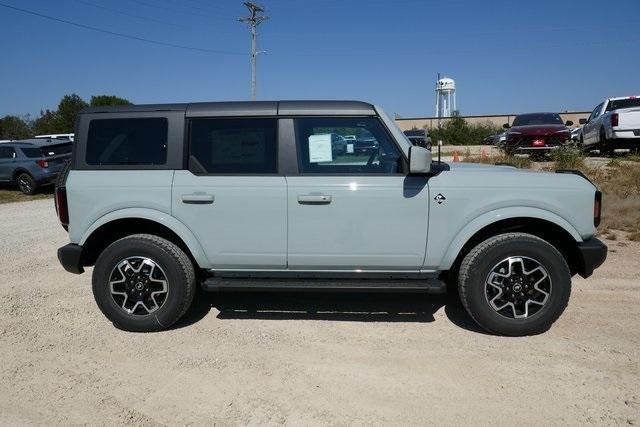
(445, 97)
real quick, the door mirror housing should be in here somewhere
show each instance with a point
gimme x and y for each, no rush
(583, 121)
(569, 123)
(419, 160)
(506, 125)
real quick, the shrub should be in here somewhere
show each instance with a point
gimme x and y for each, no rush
(568, 157)
(457, 131)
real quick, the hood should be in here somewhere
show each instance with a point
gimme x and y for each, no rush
(537, 130)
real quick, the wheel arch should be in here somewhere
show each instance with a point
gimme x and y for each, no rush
(543, 224)
(18, 171)
(119, 224)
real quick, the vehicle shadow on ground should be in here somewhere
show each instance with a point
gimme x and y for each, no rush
(332, 306)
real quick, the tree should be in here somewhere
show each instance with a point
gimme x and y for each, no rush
(68, 109)
(46, 124)
(456, 131)
(101, 100)
(14, 127)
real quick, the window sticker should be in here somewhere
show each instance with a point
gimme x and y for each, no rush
(349, 148)
(320, 148)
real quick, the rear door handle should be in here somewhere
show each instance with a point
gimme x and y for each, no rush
(314, 199)
(197, 199)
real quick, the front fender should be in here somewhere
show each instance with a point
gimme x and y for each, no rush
(494, 216)
(156, 216)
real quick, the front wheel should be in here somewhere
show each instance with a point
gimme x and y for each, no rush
(143, 283)
(514, 284)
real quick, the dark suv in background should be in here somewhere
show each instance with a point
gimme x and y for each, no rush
(31, 163)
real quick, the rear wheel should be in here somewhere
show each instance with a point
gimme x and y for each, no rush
(605, 146)
(143, 283)
(514, 284)
(27, 184)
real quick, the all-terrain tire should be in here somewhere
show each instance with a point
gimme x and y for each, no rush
(174, 263)
(605, 144)
(480, 261)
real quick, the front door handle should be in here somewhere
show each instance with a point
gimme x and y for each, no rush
(314, 199)
(197, 199)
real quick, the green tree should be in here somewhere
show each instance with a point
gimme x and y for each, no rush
(68, 109)
(47, 123)
(457, 131)
(14, 127)
(101, 100)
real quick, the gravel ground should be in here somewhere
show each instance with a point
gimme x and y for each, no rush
(305, 359)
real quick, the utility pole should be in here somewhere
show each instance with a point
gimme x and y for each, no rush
(253, 20)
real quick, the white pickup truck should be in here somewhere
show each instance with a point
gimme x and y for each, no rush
(614, 123)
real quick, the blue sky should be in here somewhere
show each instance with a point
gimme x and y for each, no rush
(506, 55)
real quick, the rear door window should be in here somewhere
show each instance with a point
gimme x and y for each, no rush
(141, 141)
(233, 146)
(6, 153)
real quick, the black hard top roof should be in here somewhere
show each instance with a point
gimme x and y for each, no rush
(247, 108)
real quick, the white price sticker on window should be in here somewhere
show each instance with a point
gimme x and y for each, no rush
(320, 148)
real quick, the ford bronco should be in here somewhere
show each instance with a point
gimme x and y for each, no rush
(253, 196)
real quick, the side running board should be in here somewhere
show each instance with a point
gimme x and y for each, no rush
(218, 284)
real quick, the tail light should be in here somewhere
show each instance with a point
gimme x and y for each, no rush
(61, 207)
(614, 119)
(597, 209)
(42, 163)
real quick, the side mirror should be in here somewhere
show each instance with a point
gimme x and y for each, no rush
(419, 160)
(506, 125)
(583, 121)
(569, 123)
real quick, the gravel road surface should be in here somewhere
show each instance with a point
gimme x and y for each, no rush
(311, 359)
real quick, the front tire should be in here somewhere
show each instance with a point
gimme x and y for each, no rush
(143, 283)
(514, 284)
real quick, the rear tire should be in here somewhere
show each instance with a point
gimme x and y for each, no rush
(143, 283)
(490, 277)
(27, 184)
(605, 145)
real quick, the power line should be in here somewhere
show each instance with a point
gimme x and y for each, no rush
(253, 20)
(113, 33)
(174, 10)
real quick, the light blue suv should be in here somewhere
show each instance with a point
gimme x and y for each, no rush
(31, 163)
(254, 196)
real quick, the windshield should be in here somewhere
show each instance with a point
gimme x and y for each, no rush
(537, 119)
(618, 104)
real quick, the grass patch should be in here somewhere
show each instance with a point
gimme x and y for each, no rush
(568, 157)
(11, 195)
(522, 162)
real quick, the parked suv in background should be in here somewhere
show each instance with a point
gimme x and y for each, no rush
(250, 195)
(536, 133)
(31, 163)
(614, 123)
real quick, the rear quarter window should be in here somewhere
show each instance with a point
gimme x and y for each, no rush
(133, 141)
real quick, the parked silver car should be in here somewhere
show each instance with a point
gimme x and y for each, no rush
(252, 197)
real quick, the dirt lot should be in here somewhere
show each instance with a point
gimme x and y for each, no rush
(305, 359)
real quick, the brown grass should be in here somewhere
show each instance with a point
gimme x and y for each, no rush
(11, 195)
(517, 161)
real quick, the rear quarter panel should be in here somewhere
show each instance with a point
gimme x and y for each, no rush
(92, 194)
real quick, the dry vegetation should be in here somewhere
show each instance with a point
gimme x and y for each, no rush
(619, 181)
(11, 194)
